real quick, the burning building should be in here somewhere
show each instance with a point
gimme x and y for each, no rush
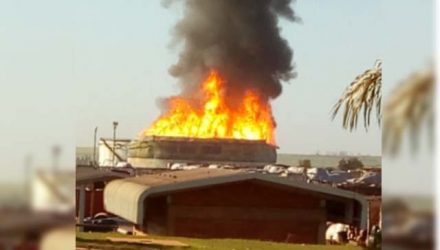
(160, 152)
(230, 69)
(214, 132)
(250, 117)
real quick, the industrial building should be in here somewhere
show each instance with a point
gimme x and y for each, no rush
(110, 152)
(220, 203)
(161, 151)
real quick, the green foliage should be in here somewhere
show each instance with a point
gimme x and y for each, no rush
(351, 163)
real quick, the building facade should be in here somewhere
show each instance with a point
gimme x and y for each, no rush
(208, 203)
(161, 151)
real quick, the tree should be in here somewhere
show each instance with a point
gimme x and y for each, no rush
(408, 107)
(364, 92)
(351, 163)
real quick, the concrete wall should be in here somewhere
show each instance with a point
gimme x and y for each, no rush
(213, 151)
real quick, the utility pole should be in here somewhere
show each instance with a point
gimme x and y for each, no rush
(94, 148)
(115, 125)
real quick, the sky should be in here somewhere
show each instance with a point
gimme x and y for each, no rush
(69, 66)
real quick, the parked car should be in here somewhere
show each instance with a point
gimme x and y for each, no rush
(101, 222)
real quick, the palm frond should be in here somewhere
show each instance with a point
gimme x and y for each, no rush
(364, 92)
(409, 106)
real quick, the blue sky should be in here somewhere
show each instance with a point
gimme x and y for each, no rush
(68, 66)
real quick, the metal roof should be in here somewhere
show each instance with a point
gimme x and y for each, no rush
(117, 139)
(87, 175)
(125, 197)
(171, 177)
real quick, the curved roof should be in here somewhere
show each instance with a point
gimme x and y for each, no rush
(124, 197)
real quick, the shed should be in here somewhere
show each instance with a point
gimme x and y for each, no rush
(220, 203)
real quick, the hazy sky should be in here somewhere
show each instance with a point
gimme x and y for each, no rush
(68, 66)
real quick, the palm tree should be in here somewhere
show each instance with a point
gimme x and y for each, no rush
(364, 92)
(408, 107)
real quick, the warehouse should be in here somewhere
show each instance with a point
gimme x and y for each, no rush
(219, 203)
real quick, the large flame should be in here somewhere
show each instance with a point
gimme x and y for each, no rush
(252, 119)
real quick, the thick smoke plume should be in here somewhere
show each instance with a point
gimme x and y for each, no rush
(240, 39)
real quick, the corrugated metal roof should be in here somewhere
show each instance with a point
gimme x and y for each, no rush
(124, 197)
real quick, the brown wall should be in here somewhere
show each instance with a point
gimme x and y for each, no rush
(374, 211)
(98, 203)
(247, 209)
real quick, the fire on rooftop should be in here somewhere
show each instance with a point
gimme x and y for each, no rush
(209, 126)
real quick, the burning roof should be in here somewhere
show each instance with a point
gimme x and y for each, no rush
(214, 117)
(231, 66)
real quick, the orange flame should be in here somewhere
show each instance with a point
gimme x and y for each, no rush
(252, 119)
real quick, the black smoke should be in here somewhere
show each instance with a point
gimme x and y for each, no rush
(238, 38)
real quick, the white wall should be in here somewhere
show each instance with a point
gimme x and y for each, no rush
(105, 156)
